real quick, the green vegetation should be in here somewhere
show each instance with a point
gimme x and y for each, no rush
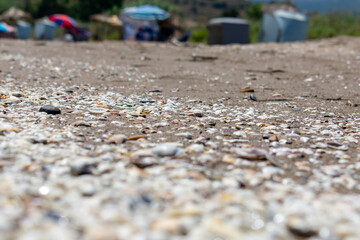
(231, 12)
(335, 24)
(254, 30)
(79, 9)
(5, 4)
(254, 15)
(254, 12)
(199, 35)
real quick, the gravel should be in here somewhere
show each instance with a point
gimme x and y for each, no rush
(126, 160)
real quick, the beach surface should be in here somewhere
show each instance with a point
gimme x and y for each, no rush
(125, 140)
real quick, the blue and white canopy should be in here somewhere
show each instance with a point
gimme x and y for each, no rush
(6, 28)
(146, 12)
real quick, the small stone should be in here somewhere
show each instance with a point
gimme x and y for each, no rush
(330, 115)
(169, 225)
(81, 123)
(136, 137)
(185, 135)
(247, 89)
(97, 110)
(142, 153)
(195, 148)
(207, 158)
(240, 134)
(18, 95)
(144, 162)
(165, 150)
(82, 167)
(44, 190)
(274, 144)
(337, 146)
(117, 139)
(300, 227)
(274, 138)
(196, 113)
(88, 189)
(155, 91)
(251, 153)
(147, 101)
(211, 123)
(304, 139)
(252, 97)
(305, 94)
(50, 109)
(227, 158)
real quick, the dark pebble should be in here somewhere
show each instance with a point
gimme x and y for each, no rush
(50, 109)
(155, 90)
(18, 95)
(146, 199)
(198, 114)
(303, 232)
(82, 169)
(266, 137)
(211, 123)
(56, 217)
(252, 97)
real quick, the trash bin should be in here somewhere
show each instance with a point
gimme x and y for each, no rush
(283, 26)
(23, 30)
(228, 31)
(45, 30)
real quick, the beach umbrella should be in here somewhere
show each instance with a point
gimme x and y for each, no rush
(63, 21)
(6, 28)
(146, 12)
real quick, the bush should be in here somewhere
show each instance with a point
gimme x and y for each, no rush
(334, 24)
(254, 31)
(79, 9)
(6, 4)
(199, 35)
(254, 12)
(231, 12)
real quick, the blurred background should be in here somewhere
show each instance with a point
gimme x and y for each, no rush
(324, 18)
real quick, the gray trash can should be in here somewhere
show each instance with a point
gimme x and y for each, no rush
(23, 30)
(283, 26)
(228, 31)
(45, 30)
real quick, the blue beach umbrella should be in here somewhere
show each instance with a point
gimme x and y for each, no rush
(146, 12)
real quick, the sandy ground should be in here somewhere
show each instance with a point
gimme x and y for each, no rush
(280, 68)
(297, 86)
